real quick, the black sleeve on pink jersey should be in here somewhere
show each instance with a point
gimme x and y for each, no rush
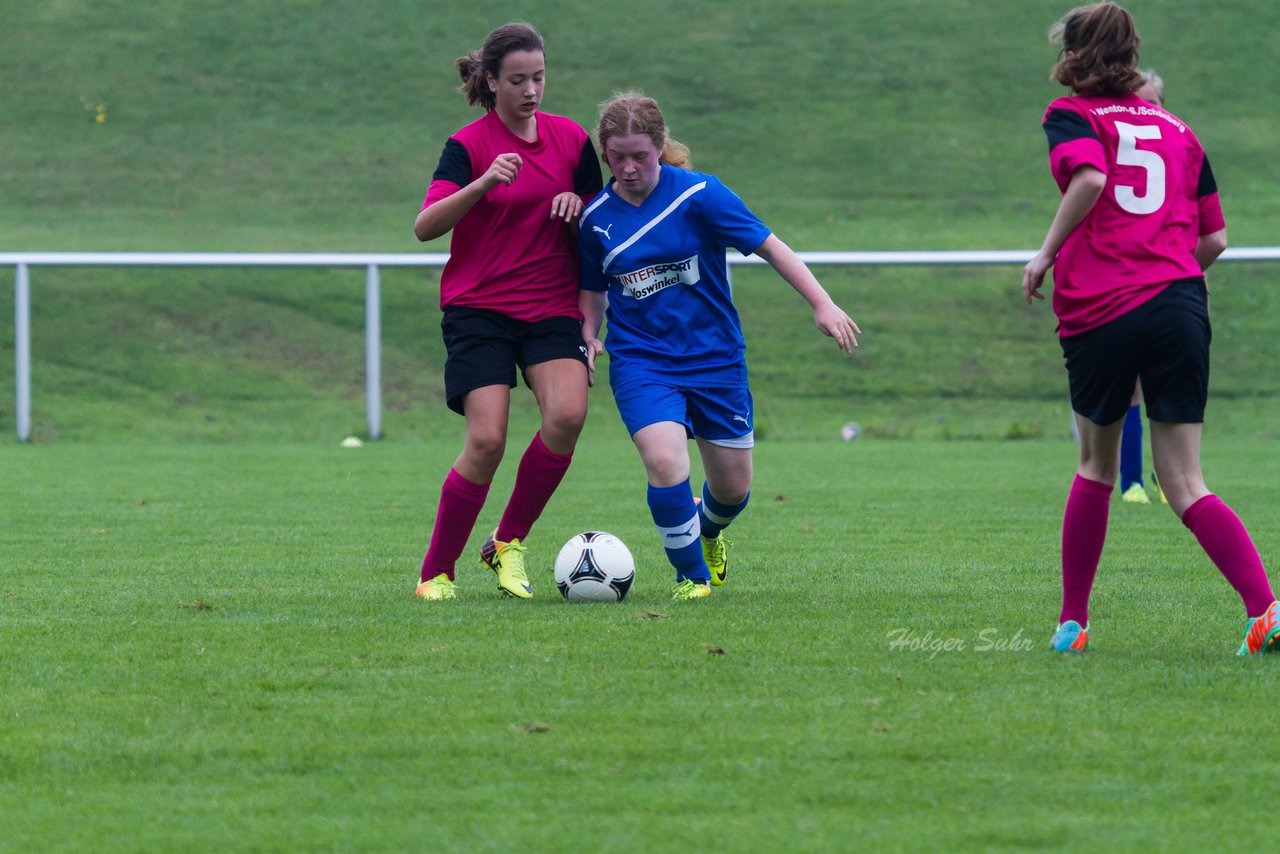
(587, 180)
(455, 164)
(1207, 186)
(1066, 125)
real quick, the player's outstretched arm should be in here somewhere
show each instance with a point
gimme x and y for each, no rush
(830, 319)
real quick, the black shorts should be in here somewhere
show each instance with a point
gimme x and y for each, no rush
(485, 347)
(1164, 341)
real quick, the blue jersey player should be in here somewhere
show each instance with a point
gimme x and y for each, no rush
(652, 249)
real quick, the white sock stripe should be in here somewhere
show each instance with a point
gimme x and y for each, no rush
(681, 535)
(716, 517)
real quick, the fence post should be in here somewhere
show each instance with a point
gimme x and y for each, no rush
(373, 350)
(22, 348)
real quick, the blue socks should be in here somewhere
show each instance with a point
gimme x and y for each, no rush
(680, 523)
(716, 517)
(1131, 449)
(676, 516)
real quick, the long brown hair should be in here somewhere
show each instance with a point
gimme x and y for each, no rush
(1099, 50)
(488, 59)
(628, 113)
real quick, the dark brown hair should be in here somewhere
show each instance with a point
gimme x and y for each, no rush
(1099, 50)
(628, 113)
(488, 59)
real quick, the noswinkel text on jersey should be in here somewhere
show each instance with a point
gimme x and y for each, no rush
(647, 281)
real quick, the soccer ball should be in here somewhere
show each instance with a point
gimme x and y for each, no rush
(594, 567)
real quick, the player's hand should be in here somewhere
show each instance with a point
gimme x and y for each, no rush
(504, 169)
(1033, 277)
(566, 206)
(834, 323)
(594, 348)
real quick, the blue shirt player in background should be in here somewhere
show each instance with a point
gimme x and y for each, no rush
(652, 250)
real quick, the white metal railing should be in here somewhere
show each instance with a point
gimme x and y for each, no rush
(24, 261)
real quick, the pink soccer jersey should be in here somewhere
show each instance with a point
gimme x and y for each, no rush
(507, 254)
(1160, 196)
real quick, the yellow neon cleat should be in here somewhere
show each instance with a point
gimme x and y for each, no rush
(507, 560)
(716, 553)
(1159, 488)
(1136, 494)
(436, 589)
(685, 590)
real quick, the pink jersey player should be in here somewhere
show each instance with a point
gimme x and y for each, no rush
(1141, 234)
(510, 186)
(507, 254)
(1138, 224)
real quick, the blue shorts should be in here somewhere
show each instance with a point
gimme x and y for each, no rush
(722, 416)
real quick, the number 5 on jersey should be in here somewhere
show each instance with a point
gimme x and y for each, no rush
(1128, 154)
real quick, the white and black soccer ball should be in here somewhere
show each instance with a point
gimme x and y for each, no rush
(594, 567)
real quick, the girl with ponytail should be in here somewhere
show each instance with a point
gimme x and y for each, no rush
(510, 186)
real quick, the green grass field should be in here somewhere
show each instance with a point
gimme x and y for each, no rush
(217, 648)
(207, 634)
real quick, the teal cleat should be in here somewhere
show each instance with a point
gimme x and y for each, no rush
(1262, 634)
(1070, 637)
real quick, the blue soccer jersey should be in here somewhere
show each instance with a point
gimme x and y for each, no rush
(671, 314)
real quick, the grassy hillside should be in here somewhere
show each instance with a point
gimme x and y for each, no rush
(305, 126)
(315, 125)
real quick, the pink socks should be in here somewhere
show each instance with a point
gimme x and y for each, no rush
(539, 474)
(1084, 530)
(460, 505)
(1215, 525)
(461, 500)
(1223, 537)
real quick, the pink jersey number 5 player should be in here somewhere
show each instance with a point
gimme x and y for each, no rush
(1138, 224)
